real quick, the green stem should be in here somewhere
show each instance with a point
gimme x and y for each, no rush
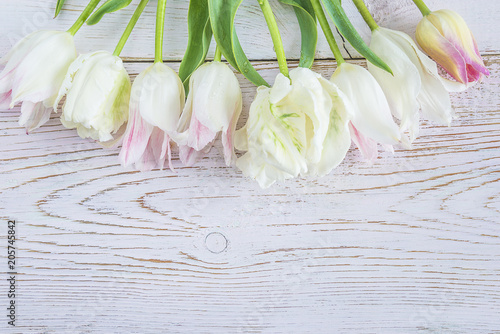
(365, 14)
(83, 17)
(423, 7)
(323, 22)
(275, 35)
(218, 54)
(130, 27)
(160, 28)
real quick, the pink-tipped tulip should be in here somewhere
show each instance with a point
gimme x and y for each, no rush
(156, 102)
(34, 71)
(444, 35)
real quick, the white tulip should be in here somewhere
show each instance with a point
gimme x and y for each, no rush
(156, 102)
(416, 83)
(34, 71)
(97, 89)
(372, 119)
(294, 128)
(213, 105)
(274, 136)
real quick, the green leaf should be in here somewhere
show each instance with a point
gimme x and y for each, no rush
(59, 6)
(222, 13)
(346, 28)
(308, 29)
(109, 6)
(200, 36)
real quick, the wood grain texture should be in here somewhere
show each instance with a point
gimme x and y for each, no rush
(481, 16)
(408, 244)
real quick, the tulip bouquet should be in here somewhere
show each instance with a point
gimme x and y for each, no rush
(302, 125)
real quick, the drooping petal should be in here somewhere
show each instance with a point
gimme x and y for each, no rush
(228, 142)
(189, 156)
(155, 153)
(367, 146)
(5, 99)
(136, 137)
(34, 115)
(199, 135)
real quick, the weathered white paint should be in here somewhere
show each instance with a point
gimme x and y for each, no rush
(409, 244)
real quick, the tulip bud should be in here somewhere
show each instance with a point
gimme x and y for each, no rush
(34, 71)
(213, 105)
(97, 89)
(445, 37)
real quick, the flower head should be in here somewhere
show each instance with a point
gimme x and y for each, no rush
(294, 128)
(415, 83)
(444, 35)
(34, 71)
(372, 121)
(97, 89)
(156, 102)
(213, 105)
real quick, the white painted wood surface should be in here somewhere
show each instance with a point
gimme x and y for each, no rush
(410, 244)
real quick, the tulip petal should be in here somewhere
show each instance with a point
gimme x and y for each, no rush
(433, 97)
(216, 95)
(372, 114)
(315, 101)
(338, 139)
(256, 168)
(199, 135)
(241, 139)
(155, 153)
(34, 115)
(367, 146)
(98, 94)
(40, 74)
(401, 88)
(136, 137)
(162, 96)
(227, 142)
(189, 156)
(5, 100)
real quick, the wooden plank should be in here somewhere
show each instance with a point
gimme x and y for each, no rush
(17, 18)
(408, 244)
